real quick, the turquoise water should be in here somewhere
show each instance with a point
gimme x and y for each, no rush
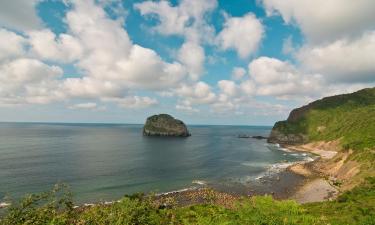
(106, 161)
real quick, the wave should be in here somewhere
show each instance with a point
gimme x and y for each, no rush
(199, 182)
(178, 191)
(256, 164)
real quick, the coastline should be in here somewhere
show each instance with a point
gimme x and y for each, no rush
(297, 181)
(317, 187)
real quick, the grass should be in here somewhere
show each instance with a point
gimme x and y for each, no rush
(56, 207)
(350, 118)
(353, 207)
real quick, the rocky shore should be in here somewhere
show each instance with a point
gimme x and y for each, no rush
(317, 186)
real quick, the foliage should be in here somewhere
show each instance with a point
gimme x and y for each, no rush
(350, 118)
(353, 207)
(52, 207)
(55, 207)
(142, 210)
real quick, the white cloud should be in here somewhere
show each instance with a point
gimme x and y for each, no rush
(228, 87)
(109, 54)
(26, 80)
(323, 20)
(110, 65)
(288, 47)
(133, 102)
(11, 45)
(186, 19)
(88, 106)
(281, 79)
(186, 108)
(197, 93)
(46, 45)
(248, 87)
(242, 34)
(88, 87)
(238, 73)
(344, 60)
(20, 15)
(192, 56)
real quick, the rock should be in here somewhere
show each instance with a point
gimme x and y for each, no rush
(165, 125)
(243, 136)
(280, 137)
(259, 137)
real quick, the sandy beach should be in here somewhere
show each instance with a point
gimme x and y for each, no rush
(315, 188)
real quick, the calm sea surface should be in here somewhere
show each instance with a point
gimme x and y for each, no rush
(104, 161)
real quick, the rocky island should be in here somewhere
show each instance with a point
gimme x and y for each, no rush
(165, 125)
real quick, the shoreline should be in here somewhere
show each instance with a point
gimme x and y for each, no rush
(316, 188)
(297, 181)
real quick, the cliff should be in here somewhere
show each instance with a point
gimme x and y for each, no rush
(165, 125)
(349, 118)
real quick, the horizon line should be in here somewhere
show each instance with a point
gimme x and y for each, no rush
(119, 123)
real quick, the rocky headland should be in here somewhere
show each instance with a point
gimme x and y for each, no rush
(165, 125)
(340, 131)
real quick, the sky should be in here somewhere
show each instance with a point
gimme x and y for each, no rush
(227, 62)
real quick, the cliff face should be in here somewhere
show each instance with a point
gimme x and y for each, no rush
(348, 117)
(165, 125)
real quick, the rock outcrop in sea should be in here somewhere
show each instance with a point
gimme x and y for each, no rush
(165, 125)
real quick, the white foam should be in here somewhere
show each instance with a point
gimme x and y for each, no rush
(199, 182)
(177, 191)
(256, 164)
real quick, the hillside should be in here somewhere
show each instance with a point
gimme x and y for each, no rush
(349, 118)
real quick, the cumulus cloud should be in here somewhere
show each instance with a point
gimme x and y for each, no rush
(88, 106)
(192, 56)
(228, 87)
(197, 93)
(19, 15)
(88, 87)
(186, 108)
(110, 65)
(238, 73)
(133, 102)
(46, 45)
(11, 45)
(25, 80)
(344, 60)
(322, 20)
(186, 19)
(281, 79)
(242, 34)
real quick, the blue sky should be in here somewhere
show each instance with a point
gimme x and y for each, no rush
(206, 62)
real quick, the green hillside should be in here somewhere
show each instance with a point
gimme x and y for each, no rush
(349, 117)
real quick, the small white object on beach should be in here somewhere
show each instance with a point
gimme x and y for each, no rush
(4, 205)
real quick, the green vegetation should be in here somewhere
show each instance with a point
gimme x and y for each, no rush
(55, 207)
(350, 118)
(353, 207)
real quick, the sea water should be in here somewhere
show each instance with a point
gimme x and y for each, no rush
(106, 161)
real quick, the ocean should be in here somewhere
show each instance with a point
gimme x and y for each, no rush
(103, 162)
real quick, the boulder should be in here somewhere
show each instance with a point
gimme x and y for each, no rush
(165, 125)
